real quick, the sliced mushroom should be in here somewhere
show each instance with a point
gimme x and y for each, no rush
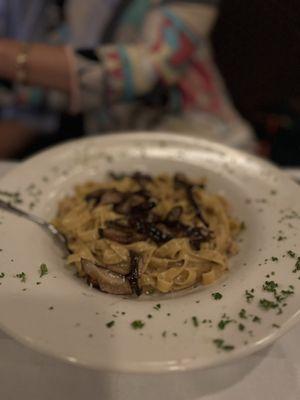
(143, 208)
(141, 178)
(120, 236)
(110, 196)
(130, 200)
(174, 214)
(150, 230)
(133, 276)
(106, 280)
(122, 268)
(120, 223)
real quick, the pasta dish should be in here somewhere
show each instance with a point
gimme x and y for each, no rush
(138, 233)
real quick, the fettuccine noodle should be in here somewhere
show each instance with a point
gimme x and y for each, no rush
(175, 232)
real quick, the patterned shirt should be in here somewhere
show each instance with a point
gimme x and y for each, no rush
(144, 62)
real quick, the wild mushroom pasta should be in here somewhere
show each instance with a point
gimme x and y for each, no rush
(138, 233)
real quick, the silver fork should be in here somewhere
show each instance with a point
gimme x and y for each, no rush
(58, 237)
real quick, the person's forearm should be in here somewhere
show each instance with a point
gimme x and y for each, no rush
(47, 65)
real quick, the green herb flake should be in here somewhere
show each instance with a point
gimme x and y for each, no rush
(249, 295)
(223, 323)
(220, 343)
(274, 259)
(2, 274)
(164, 334)
(51, 308)
(267, 304)
(38, 283)
(297, 265)
(284, 294)
(43, 270)
(241, 327)
(22, 276)
(137, 324)
(270, 286)
(149, 316)
(276, 326)
(256, 319)
(217, 296)
(175, 334)
(157, 307)
(243, 314)
(195, 321)
(110, 324)
(291, 253)
(280, 238)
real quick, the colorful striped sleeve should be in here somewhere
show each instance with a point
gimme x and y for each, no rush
(171, 36)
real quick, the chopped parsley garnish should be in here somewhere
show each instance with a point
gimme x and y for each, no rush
(168, 314)
(222, 324)
(256, 319)
(276, 326)
(164, 334)
(137, 324)
(249, 295)
(217, 295)
(22, 276)
(280, 238)
(195, 321)
(274, 258)
(51, 308)
(38, 283)
(2, 274)
(241, 327)
(175, 334)
(220, 343)
(267, 304)
(110, 324)
(283, 295)
(157, 307)
(291, 253)
(149, 316)
(243, 314)
(297, 265)
(43, 270)
(270, 286)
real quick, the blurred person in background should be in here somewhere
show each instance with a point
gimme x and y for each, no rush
(69, 68)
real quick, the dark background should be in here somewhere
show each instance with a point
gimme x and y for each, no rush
(257, 48)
